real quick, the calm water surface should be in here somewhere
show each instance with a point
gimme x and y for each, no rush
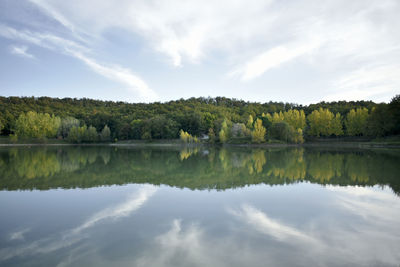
(107, 206)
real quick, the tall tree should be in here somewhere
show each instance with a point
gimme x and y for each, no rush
(258, 134)
(323, 122)
(356, 121)
(105, 134)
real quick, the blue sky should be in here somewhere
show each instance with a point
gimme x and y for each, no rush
(302, 51)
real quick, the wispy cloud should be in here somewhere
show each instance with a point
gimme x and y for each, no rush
(77, 234)
(311, 45)
(371, 82)
(19, 235)
(131, 81)
(21, 51)
(184, 31)
(274, 58)
(134, 203)
(264, 224)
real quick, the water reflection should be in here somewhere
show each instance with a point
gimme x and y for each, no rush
(69, 237)
(343, 223)
(193, 167)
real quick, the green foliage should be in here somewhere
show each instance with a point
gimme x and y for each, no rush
(224, 133)
(380, 122)
(136, 129)
(394, 111)
(356, 121)
(105, 134)
(211, 135)
(161, 127)
(91, 135)
(195, 116)
(83, 134)
(36, 125)
(285, 132)
(258, 134)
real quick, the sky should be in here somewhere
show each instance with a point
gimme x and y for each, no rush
(302, 51)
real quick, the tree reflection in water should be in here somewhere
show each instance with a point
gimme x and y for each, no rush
(193, 167)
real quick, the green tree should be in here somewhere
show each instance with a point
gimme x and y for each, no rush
(91, 134)
(281, 131)
(105, 134)
(224, 133)
(136, 128)
(394, 110)
(37, 125)
(211, 135)
(380, 122)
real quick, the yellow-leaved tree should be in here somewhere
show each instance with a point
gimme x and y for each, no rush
(356, 121)
(258, 134)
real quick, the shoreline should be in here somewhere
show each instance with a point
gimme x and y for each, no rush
(366, 145)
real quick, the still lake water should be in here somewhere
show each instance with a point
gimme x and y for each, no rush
(116, 206)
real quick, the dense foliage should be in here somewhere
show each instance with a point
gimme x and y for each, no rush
(220, 119)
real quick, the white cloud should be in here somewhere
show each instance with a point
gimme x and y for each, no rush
(262, 223)
(19, 235)
(180, 30)
(134, 203)
(370, 82)
(273, 58)
(74, 236)
(323, 42)
(113, 72)
(21, 51)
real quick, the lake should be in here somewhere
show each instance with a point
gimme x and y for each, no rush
(199, 206)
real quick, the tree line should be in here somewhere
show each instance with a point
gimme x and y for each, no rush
(217, 120)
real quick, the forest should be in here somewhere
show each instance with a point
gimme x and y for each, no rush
(213, 120)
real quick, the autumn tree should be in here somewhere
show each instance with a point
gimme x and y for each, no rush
(295, 118)
(258, 134)
(187, 138)
(250, 122)
(324, 122)
(337, 125)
